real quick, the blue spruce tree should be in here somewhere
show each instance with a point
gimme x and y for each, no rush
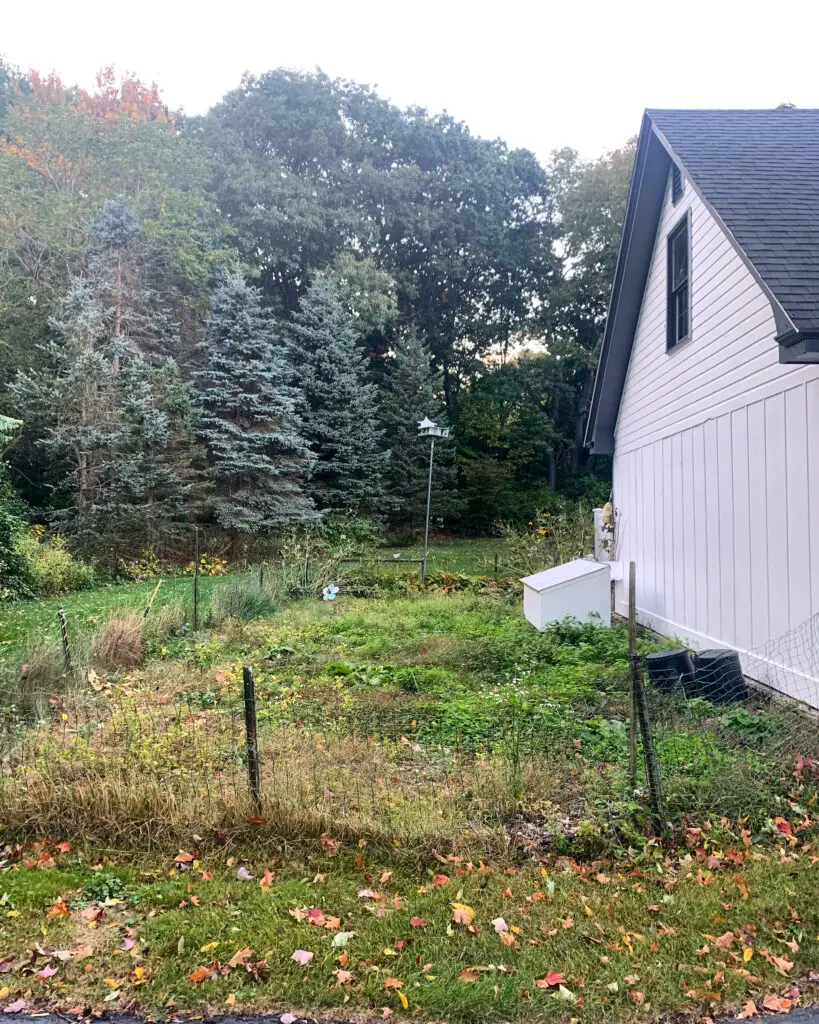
(341, 406)
(258, 457)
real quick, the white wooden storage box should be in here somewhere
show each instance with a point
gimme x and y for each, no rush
(579, 589)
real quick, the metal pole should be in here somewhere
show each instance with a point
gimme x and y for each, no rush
(251, 738)
(196, 578)
(632, 657)
(64, 638)
(429, 500)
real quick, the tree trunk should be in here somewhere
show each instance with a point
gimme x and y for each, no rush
(118, 317)
(553, 470)
(579, 454)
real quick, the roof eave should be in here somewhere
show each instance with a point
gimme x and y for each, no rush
(646, 191)
(798, 346)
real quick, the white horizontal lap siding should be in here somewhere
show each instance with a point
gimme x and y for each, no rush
(716, 481)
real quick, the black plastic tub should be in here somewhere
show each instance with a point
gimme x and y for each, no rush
(671, 670)
(718, 676)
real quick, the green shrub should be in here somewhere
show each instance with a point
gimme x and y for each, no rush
(53, 568)
(16, 570)
(243, 602)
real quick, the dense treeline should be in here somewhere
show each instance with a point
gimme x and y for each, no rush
(236, 319)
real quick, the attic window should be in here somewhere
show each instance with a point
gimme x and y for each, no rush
(678, 324)
(676, 184)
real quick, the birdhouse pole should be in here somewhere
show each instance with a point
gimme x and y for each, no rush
(427, 428)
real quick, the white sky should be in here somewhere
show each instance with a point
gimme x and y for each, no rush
(539, 73)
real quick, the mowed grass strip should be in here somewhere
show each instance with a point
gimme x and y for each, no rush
(456, 941)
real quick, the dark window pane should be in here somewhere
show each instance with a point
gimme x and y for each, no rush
(682, 314)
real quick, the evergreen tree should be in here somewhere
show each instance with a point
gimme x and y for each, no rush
(111, 410)
(341, 406)
(258, 457)
(112, 434)
(413, 390)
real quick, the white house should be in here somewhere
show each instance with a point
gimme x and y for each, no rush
(707, 390)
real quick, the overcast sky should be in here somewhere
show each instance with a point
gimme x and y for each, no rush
(538, 73)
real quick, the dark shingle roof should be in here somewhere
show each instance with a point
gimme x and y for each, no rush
(759, 169)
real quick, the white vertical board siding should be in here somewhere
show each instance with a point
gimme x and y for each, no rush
(716, 481)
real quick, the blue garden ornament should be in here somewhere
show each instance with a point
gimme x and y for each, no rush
(329, 592)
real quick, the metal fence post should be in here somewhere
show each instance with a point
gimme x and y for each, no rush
(64, 638)
(652, 770)
(196, 578)
(251, 737)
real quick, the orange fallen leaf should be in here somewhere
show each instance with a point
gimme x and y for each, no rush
(200, 974)
(777, 1003)
(748, 1010)
(393, 983)
(467, 976)
(239, 957)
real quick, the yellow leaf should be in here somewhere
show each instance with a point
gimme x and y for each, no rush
(747, 954)
(4, 992)
(403, 998)
(139, 973)
(231, 999)
(112, 983)
(208, 947)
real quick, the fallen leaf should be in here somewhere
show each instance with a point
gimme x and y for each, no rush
(637, 997)
(777, 1003)
(552, 979)
(243, 875)
(462, 914)
(748, 1010)
(239, 957)
(403, 999)
(302, 956)
(500, 925)
(440, 879)
(16, 1007)
(287, 1018)
(266, 882)
(417, 922)
(59, 909)
(343, 977)
(230, 999)
(341, 939)
(724, 941)
(47, 972)
(393, 983)
(200, 974)
(184, 858)
(468, 976)
(208, 947)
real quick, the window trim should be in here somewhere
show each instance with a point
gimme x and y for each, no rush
(671, 342)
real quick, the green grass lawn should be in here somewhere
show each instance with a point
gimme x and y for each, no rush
(698, 930)
(28, 623)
